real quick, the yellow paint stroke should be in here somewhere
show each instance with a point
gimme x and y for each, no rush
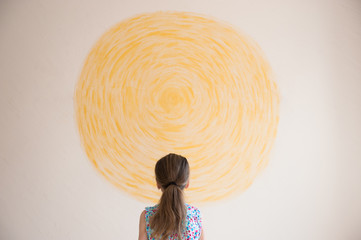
(177, 82)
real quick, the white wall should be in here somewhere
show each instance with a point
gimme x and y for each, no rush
(311, 188)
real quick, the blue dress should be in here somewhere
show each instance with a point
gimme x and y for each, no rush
(193, 223)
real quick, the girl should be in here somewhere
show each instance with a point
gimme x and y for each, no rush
(172, 218)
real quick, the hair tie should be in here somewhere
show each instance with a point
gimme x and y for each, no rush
(171, 183)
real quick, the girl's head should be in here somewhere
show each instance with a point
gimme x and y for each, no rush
(172, 170)
(172, 176)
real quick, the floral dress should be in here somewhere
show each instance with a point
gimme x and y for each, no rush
(193, 223)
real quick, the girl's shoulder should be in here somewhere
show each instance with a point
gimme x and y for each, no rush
(150, 210)
(191, 207)
(192, 210)
(194, 221)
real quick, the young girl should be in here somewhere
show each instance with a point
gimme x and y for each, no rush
(172, 218)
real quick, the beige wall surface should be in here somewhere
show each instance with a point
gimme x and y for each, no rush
(311, 188)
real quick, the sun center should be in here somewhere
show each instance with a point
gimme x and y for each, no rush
(171, 100)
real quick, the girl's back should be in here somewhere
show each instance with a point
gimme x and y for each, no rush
(172, 218)
(193, 225)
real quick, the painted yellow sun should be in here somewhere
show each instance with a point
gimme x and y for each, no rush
(177, 82)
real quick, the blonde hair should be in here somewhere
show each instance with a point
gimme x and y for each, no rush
(172, 174)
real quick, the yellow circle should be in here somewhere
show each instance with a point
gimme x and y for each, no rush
(177, 82)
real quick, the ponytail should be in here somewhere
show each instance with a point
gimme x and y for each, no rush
(172, 173)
